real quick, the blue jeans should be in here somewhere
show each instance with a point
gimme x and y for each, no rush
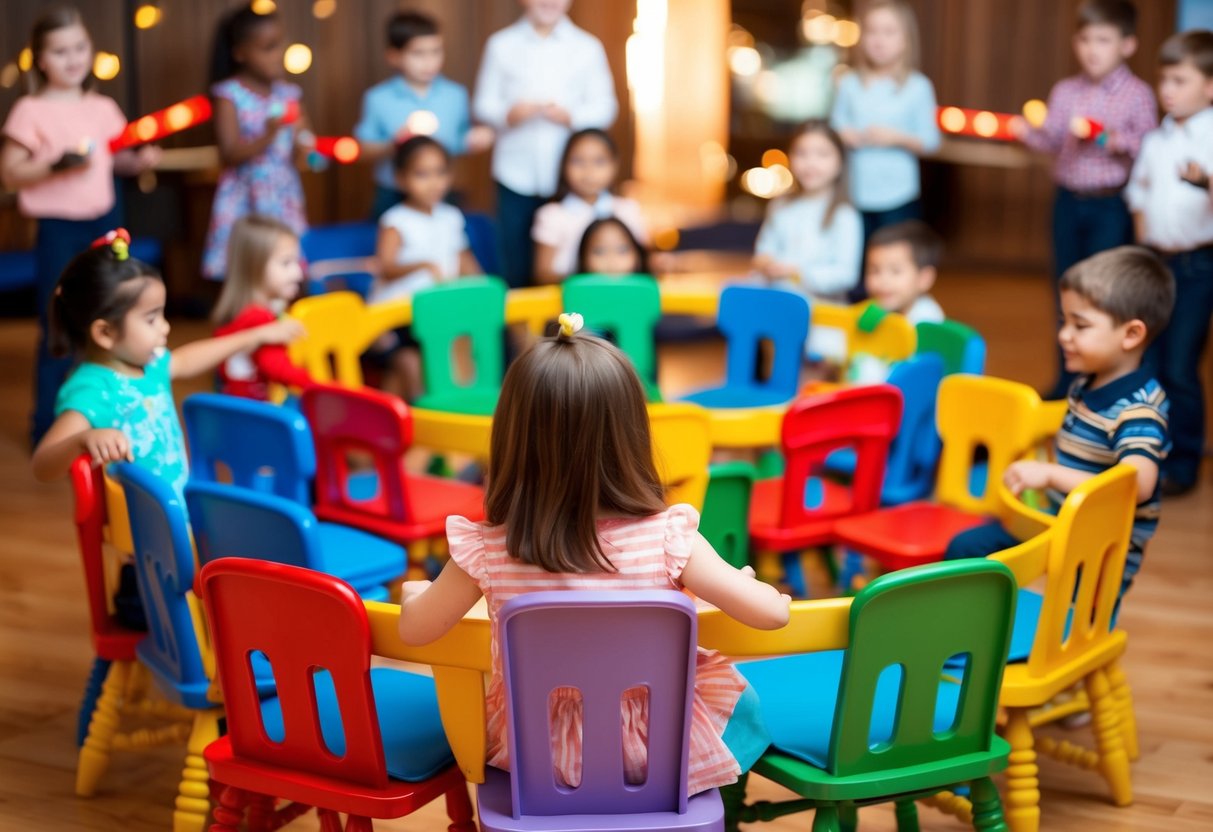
(58, 242)
(1175, 358)
(1083, 225)
(515, 216)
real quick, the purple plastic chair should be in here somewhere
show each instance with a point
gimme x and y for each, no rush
(602, 644)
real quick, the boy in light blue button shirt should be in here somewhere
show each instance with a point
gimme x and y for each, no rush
(417, 100)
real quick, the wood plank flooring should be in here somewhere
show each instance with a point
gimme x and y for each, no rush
(45, 654)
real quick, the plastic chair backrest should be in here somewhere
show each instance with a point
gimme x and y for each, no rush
(749, 315)
(304, 622)
(263, 446)
(339, 241)
(887, 336)
(1086, 562)
(366, 421)
(976, 412)
(914, 452)
(625, 309)
(164, 567)
(88, 488)
(725, 519)
(682, 450)
(962, 349)
(602, 644)
(912, 621)
(233, 522)
(864, 418)
(337, 336)
(473, 307)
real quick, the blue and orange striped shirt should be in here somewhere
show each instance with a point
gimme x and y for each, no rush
(1104, 426)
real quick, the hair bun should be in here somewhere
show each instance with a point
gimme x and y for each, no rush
(570, 324)
(118, 241)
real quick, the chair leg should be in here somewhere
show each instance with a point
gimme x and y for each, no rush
(229, 811)
(330, 821)
(193, 795)
(1113, 759)
(906, 812)
(768, 566)
(92, 690)
(459, 809)
(987, 808)
(825, 819)
(793, 574)
(1023, 786)
(733, 798)
(95, 752)
(1124, 701)
(848, 817)
(358, 823)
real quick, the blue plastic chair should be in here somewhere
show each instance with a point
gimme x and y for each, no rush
(961, 347)
(19, 269)
(749, 315)
(604, 645)
(340, 241)
(237, 522)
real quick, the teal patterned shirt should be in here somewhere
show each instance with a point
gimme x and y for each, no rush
(142, 408)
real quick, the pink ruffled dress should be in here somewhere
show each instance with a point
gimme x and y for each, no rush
(649, 553)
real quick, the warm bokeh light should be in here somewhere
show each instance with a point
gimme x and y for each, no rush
(346, 150)
(297, 58)
(146, 128)
(783, 179)
(740, 37)
(1035, 112)
(774, 156)
(147, 16)
(952, 119)
(819, 29)
(744, 60)
(323, 9)
(666, 239)
(9, 75)
(985, 124)
(25, 60)
(178, 117)
(264, 6)
(846, 33)
(422, 123)
(106, 66)
(714, 161)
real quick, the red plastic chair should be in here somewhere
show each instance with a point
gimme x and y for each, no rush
(801, 509)
(339, 736)
(974, 413)
(406, 508)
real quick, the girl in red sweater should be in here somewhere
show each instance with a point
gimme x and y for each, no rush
(264, 274)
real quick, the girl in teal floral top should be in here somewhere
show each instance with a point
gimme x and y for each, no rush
(108, 309)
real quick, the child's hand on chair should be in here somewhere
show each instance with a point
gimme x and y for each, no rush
(1020, 476)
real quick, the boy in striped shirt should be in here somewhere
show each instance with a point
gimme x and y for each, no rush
(1113, 305)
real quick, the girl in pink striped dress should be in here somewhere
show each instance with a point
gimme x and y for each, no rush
(574, 502)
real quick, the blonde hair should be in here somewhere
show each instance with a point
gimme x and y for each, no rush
(909, 26)
(248, 254)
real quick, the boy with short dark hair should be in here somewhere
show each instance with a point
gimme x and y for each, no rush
(1171, 199)
(1114, 304)
(1095, 124)
(901, 266)
(417, 100)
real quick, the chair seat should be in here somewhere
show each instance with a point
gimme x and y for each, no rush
(116, 643)
(362, 560)
(906, 535)
(766, 500)
(434, 499)
(705, 813)
(739, 397)
(473, 402)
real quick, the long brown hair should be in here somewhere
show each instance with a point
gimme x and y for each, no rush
(570, 444)
(909, 26)
(51, 21)
(821, 127)
(249, 249)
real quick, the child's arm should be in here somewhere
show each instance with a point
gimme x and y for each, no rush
(18, 169)
(1049, 137)
(841, 266)
(428, 610)
(842, 115)
(387, 249)
(596, 106)
(72, 435)
(735, 592)
(132, 162)
(1025, 474)
(468, 264)
(545, 270)
(922, 135)
(200, 357)
(232, 149)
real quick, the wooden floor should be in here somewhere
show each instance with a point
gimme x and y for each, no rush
(44, 649)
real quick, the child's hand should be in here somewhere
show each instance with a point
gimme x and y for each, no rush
(878, 136)
(282, 331)
(411, 589)
(851, 137)
(522, 111)
(106, 445)
(479, 138)
(1194, 174)
(148, 156)
(1018, 127)
(69, 161)
(1020, 476)
(557, 114)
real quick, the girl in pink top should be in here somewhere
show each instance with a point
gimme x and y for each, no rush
(56, 157)
(574, 502)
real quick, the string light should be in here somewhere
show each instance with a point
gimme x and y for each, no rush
(106, 66)
(147, 16)
(323, 9)
(297, 58)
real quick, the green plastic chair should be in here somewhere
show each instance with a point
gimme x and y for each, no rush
(472, 307)
(725, 521)
(961, 347)
(626, 311)
(848, 732)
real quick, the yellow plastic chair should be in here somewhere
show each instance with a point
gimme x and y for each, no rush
(1075, 642)
(892, 339)
(682, 450)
